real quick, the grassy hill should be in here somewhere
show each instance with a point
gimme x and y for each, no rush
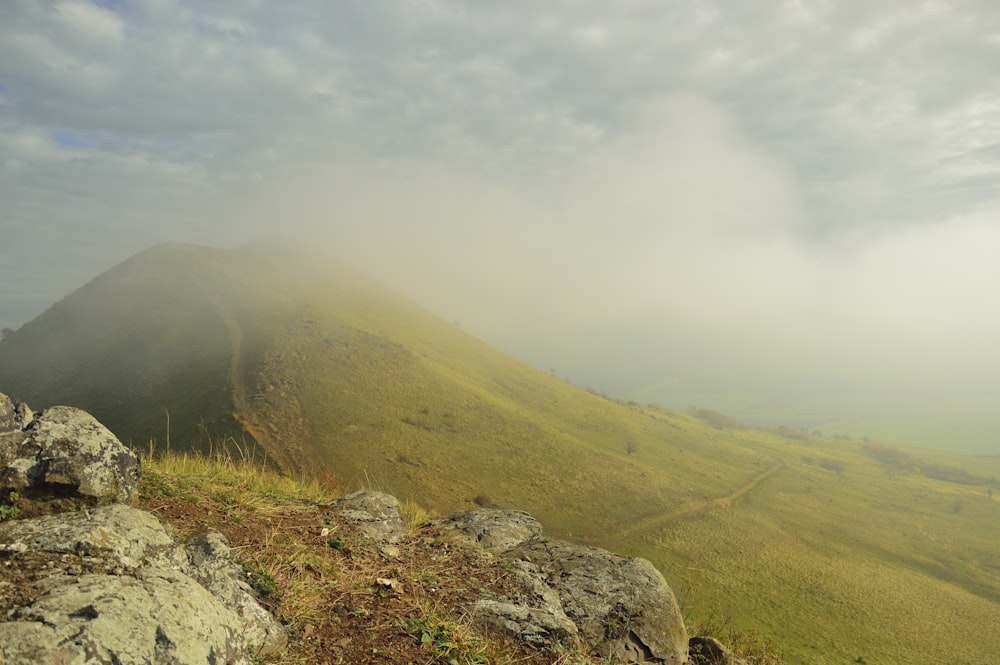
(326, 370)
(813, 542)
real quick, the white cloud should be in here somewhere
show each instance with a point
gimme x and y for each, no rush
(809, 187)
(88, 22)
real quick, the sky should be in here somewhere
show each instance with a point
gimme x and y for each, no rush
(789, 211)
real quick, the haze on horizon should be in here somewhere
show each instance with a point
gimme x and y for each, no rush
(788, 213)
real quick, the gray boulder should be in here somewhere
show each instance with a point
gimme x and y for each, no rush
(622, 607)
(375, 515)
(13, 420)
(111, 585)
(9, 421)
(63, 452)
(532, 614)
(211, 563)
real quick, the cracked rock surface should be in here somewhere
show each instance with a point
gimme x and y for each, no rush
(63, 452)
(620, 608)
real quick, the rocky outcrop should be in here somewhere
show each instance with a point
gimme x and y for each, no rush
(210, 561)
(544, 625)
(620, 608)
(62, 453)
(158, 616)
(10, 419)
(374, 515)
(109, 583)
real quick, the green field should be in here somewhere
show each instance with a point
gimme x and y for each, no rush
(841, 566)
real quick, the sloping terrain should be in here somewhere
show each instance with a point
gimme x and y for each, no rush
(266, 351)
(841, 558)
(326, 371)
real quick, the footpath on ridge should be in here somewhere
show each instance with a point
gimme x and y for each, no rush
(261, 429)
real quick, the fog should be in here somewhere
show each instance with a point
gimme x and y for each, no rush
(789, 214)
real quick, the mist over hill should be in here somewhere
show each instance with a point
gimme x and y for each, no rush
(833, 549)
(323, 369)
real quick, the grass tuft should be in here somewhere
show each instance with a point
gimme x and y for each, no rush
(414, 514)
(749, 645)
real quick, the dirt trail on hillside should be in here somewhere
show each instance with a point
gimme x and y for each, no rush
(249, 417)
(659, 521)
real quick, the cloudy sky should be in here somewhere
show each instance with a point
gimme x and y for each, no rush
(780, 209)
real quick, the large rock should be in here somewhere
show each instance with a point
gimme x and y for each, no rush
(63, 452)
(13, 421)
(621, 606)
(532, 612)
(111, 585)
(127, 536)
(211, 563)
(375, 515)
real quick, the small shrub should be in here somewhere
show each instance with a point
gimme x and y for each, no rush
(713, 418)
(9, 509)
(414, 514)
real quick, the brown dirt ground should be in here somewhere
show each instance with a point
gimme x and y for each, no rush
(361, 620)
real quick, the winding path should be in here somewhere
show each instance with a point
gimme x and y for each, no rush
(659, 521)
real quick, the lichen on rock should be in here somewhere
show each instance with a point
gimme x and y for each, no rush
(63, 452)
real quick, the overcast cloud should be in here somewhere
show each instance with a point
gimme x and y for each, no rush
(762, 207)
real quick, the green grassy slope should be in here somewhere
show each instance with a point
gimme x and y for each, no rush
(327, 371)
(868, 563)
(398, 398)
